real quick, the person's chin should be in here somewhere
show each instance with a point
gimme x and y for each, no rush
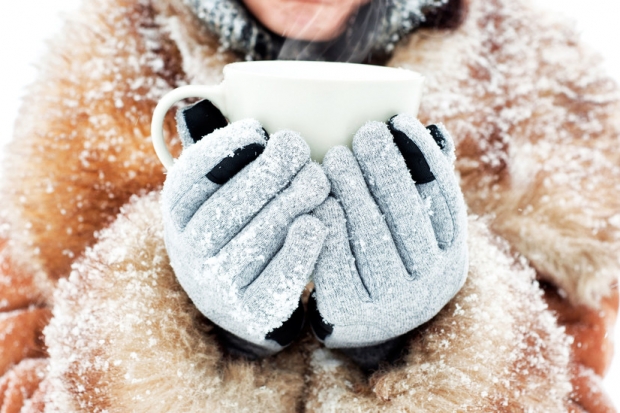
(311, 20)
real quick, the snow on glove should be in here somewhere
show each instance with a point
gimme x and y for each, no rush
(396, 249)
(237, 229)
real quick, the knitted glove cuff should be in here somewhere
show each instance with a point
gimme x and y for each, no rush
(371, 358)
(283, 335)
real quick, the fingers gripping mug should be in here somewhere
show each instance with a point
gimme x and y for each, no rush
(324, 102)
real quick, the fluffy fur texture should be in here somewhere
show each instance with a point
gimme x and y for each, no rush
(537, 158)
(86, 124)
(20, 387)
(537, 128)
(125, 337)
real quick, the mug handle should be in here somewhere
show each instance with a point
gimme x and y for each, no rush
(215, 93)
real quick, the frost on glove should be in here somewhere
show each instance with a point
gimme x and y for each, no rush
(237, 228)
(396, 251)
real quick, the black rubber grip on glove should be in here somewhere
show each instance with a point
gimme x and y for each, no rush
(414, 158)
(290, 329)
(440, 140)
(319, 326)
(203, 118)
(230, 166)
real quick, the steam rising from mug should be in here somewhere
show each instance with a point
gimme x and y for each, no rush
(355, 44)
(371, 33)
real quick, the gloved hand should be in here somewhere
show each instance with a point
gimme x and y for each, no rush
(396, 248)
(240, 239)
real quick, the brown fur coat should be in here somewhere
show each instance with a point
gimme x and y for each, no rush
(536, 126)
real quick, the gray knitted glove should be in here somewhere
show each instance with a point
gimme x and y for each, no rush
(396, 248)
(243, 249)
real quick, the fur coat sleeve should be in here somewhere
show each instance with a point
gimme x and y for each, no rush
(124, 334)
(537, 125)
(535, 163)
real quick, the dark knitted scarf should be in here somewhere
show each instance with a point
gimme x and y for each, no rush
(371, 33)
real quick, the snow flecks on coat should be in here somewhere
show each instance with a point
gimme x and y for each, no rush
(85, 125)
(202, 56)
(490, 349)
(535, 122)
(62, 203)
(125, 333)
(123, 329)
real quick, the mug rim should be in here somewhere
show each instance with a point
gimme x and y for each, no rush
(397, 74)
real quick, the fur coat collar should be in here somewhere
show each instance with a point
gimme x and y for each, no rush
(537, 163)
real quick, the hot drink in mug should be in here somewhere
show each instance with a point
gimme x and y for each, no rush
(325, 102)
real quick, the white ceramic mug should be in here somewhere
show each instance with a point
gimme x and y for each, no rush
(325, 102)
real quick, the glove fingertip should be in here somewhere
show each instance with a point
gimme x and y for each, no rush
(197, 121)
(317, 184)
(444, 140)
(370, 139)
(437, 135)
(309, 229)
(337, 160)
(289, 148)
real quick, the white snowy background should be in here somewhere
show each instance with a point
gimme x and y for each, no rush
(26, 24)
